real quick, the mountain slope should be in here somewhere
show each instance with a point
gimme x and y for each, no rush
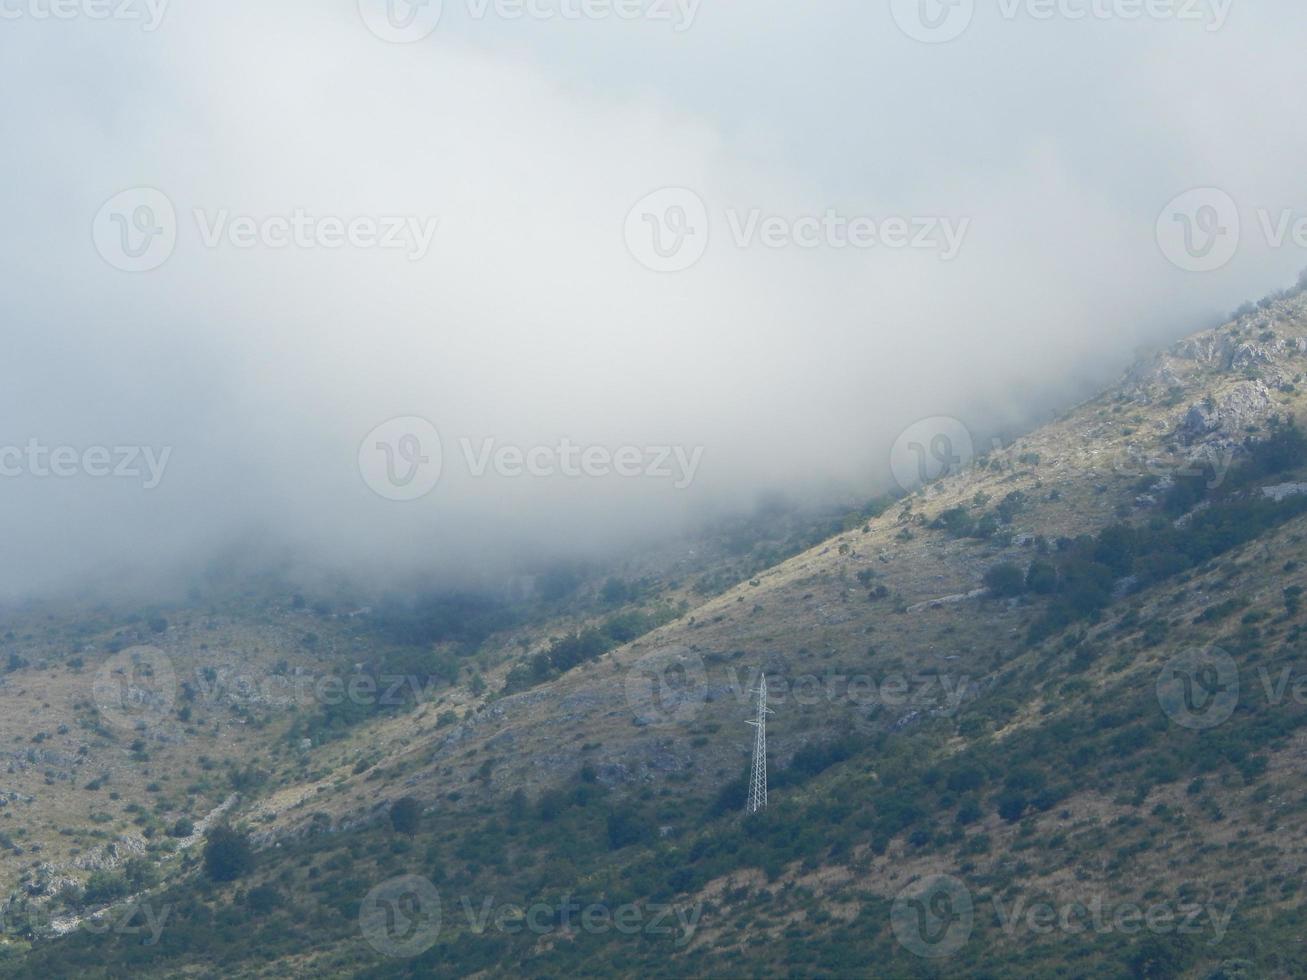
(1004, 738)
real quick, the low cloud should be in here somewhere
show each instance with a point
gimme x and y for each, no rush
(197, 262)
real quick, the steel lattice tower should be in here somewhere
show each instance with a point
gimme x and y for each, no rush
(758, 778)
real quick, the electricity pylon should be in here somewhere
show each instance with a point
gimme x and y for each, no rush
(758, 778)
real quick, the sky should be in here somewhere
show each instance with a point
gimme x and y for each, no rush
(398, 288)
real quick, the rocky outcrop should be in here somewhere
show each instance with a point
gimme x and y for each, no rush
(1282, 491)
(1228, 414)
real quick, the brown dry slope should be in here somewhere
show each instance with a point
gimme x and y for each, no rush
(894, 605)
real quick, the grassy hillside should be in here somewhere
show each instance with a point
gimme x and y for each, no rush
(1045, 715)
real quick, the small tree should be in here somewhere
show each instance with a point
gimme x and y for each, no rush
(104, 887)
(1005, 581)
(227, 854)
(517, 805)
(262, 900)
(141, 874)
(405, 815)
(1041, 578)
(624, 828)
(1011, 806)
(184, 827)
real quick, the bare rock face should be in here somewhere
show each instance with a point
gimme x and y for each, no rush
(1144, 379)
(1257, 345)
(1283, 491)
(1247, 356)
(1227, 414)
(1226, 352)
(1210, 349)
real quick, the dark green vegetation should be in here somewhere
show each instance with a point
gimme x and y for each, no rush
(227, 854)
(564, 653)
(1079, 576)
(584, 841)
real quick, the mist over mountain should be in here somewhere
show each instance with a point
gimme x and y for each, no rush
(506, 157)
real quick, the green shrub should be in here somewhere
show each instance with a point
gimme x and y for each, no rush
(227, 854)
